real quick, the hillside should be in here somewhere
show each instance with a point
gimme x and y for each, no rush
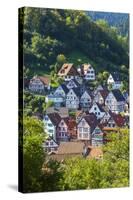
(119, 20)
(50, 32)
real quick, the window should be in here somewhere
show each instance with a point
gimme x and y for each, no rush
(98, 113)
(50, 131)
(92, 72)
(51, 143)
(80, 129)
(95, 108)
(50, 125)
(85, 129)
(85, 135)
(95, 113)
(62, 123)
(47, 143)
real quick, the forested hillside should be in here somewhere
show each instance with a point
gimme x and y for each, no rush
(119, 20)
(50, 32)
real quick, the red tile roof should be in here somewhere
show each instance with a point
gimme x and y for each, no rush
(45, 80)
(119, 120)
(68, 69)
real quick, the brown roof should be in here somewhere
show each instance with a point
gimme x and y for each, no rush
(85, 67)
(68, 69)
(104, 93)
(119, 119)
(55, 118)
(95, 152)
(91, 119)
(71, 123)
(62, 111)
(79, 113)
(110, 129)
(45, 79)
(70, 148)
(74, 149)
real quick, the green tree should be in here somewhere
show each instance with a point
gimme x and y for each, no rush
(33, 154)
(61, 59)
(110, 171)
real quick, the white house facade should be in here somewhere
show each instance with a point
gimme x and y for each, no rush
(49, 127)
(114, 81)
(36, 85)
(89, 72)
(72, 100)
(50, 145)
(83, 130)
(62, 131)
(85, 100)
(114, 103)
(97, 110)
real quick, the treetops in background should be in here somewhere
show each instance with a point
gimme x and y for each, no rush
(51, 32)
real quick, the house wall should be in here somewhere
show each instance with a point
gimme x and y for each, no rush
(113, 104)
(49, 128)
(98, 98)
(105, 118)
(68, 77)
(72, 101)
(90, 74)
(94, 109)
(83, 130)
(62, 131)
(71, 84)
(115, 84)
(97, 137)
(85, 100)
(60, 92)
(50, 145)
(36, 85)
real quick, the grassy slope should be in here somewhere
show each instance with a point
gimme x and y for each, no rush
(78, 58)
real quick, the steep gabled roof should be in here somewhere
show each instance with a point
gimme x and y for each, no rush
(65, 89)
(118, 95)
(55, 118)
(95, 152)
(92, 121)
(104, 93)
(72, 80)
(68, 69)
(116, 76)
(71, 123)
(76, 91)
(85, 67)
(62, 111)
(88, 92)
(45, 80)
(119, 120)
(70, 148)
(100, 107)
